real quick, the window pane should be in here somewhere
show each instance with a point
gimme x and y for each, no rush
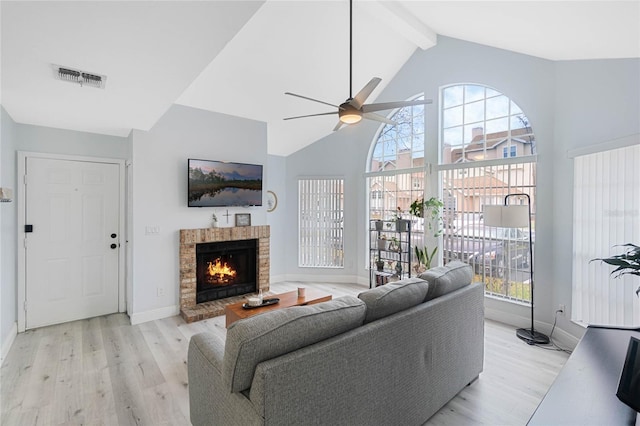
(473, 93)
(452, 96)
(497, 107)
(495, 126)
(474, 112)
(452, 117)
(452, 136)
(500, 257)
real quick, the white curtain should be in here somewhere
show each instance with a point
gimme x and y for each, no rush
(606, 213)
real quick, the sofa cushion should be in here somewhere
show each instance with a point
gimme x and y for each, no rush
(391, 298)
(445, 279)
(269, 335)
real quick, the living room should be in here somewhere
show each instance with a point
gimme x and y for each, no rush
(573, 103)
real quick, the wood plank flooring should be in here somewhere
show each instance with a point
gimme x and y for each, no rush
(103, 371)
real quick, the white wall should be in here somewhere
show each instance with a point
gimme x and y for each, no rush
(8, 232)
(160, 195)
(568, 103)
(275, 177)
(596, 101)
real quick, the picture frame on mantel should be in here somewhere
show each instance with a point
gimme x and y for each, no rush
(243, 219)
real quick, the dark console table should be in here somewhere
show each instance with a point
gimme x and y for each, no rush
(584, 393)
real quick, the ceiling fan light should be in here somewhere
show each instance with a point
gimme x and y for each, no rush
(350, 117)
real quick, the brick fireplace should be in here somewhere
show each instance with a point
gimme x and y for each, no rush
(189, 239)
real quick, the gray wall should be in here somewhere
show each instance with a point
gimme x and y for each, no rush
(160, 195)
(569, 104)
(8, 230)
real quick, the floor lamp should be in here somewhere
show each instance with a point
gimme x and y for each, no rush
(517, 216)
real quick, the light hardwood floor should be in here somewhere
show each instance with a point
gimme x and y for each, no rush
(103, 371)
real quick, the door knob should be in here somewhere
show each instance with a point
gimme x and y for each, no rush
(113, 246)
(113, 235)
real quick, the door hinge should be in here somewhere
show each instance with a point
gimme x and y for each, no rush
(25, 242)
(25, 305)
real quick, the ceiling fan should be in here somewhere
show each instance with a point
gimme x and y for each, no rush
(354, 109)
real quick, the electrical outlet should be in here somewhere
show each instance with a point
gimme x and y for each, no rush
(160, 291)
(562, 308)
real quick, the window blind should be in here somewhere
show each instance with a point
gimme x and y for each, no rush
(320, 226)
(606, 213)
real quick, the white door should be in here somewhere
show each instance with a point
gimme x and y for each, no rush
(72, 251)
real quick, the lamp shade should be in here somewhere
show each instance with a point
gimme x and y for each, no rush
(512, 216)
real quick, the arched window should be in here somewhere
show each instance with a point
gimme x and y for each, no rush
(487, 151)
(396, 175)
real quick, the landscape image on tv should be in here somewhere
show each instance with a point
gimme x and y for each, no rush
(220, 184)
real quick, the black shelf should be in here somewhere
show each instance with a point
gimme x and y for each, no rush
(396, 253)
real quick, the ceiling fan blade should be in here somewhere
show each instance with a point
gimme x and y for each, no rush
(391, 105)
(338, 126)
(378, 117)
(311, 115)
(311, 99)
(363, 94)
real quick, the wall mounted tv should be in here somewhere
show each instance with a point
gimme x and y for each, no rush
(221, 184)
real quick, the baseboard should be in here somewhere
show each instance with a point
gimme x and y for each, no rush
(154, 314)
(337, 279)
(560, 337)
(277, 279)
(8, 342)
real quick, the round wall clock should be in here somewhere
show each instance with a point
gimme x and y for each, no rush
(272, 201)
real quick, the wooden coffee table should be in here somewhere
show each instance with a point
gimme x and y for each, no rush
(235, 312)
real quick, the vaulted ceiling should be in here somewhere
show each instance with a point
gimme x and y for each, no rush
(239, 57)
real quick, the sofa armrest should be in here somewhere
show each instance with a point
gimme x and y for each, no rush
(210, 347)
(210, 401)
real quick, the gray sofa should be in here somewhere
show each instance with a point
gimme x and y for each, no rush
(394, 355)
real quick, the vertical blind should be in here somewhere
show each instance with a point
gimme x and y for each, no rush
(606, 213)
(320, 229)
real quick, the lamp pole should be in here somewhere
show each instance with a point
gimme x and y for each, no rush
(531, 336)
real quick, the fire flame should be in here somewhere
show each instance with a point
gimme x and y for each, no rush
(221, 271)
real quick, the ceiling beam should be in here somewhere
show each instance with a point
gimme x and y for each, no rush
(401, 20)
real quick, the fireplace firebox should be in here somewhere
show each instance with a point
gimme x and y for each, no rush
(225, 269)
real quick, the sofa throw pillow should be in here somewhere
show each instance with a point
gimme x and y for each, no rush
(391, 298)
(445, 279)
(269, 335)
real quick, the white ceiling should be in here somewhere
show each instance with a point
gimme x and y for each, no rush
(239, 57)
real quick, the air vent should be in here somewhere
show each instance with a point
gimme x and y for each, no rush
(82, 78)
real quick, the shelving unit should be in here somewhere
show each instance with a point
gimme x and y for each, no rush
(396, 253)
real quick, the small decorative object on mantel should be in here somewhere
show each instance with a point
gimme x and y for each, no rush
(243, 219)
(6, 195)
(214, 221)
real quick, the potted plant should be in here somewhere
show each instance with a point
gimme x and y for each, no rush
(430, 211)
(627, 263)
(424, 257)
(382, 243)
(379, 264)
(402, 225)
(378, 225)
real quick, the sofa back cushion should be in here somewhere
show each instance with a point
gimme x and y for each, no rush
(445, 279)
(391, 298)
(269, 335)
